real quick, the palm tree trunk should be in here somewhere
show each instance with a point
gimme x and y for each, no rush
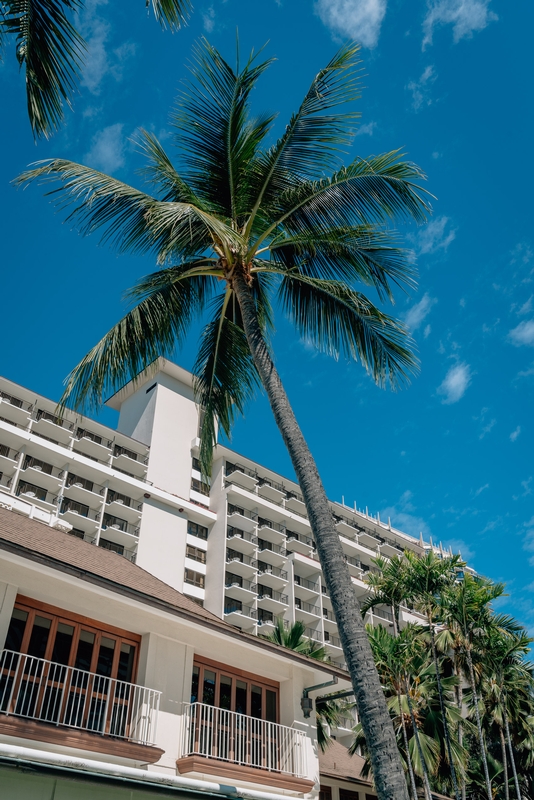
(407, 748)
(479, 724)
(458, 691)
(504, 765)
(511, 751)
(446, 730)
(377, 727)
(426, 781)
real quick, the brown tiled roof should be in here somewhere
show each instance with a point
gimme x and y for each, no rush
(45, 541)
(39, 542)
(336, 762)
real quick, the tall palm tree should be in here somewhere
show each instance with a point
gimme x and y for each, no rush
(388, 586)
(234, 225)
(51, 50)
(426, 577)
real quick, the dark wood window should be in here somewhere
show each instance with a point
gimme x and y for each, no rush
(43, 631)
(234, 690)
(325, 792)
(200, 486)
(194, 578)
(195, 554)
(107, 544)
(346, 794)
(197, 530)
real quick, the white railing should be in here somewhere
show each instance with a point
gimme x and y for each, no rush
(225, 735)
(48, 692)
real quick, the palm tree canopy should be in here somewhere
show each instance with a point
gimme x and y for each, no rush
(304, 239)
(51, 49)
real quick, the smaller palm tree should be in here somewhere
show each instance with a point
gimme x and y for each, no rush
(52, 51)
(389, 586)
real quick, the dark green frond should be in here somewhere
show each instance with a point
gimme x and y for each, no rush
(225, 377)
(153, 328)
(170, 13)
(361, 254)
(161, 174)
(216, 133)
(51, 50)
(338, 320)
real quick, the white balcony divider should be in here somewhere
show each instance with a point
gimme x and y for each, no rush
(48, 692)
(225, 735)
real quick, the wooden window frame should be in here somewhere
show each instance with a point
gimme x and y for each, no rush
(236, 674)
(199, 555)
(201, 584)
(79, 622)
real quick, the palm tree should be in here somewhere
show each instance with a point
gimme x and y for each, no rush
(388, 586)
(52, 50)
(328, 711)
(426, 577)
(255, 223)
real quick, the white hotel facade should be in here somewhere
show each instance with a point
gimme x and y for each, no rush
(131, 599)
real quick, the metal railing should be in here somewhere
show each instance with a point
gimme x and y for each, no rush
(268, 569)
(8, 452)
(382, 613)
(235, 607)
(331, 639)
(263, 544)
(299, 537)
(310, 608)
(228, 736)
(265, 592)
(234, 556)
(15, 401)
(112, 522)
(238, 582)
(49, 692)
(61, 422)
(237, 533)
(306, 584)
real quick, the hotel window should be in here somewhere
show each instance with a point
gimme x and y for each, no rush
(234, 690)
(80, 483)
(107, 544)
(195, 554)
(81, 433)
(46, 632)
(197, 530)
(199, 486)
(194, 578)
(37, 464)
(31, 490)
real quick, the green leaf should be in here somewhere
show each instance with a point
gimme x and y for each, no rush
(52, 52)
(338, 320)
(171, 13)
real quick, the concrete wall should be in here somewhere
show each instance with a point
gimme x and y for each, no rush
(162, 539)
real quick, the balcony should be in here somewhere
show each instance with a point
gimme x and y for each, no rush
(299, 543)
(50, 426)
(237, 614)
(37, 495)
(271, 600)
(14, 410)
(242, 565)
(368, 540)
(241, 518)
(242, 540)
(390, 549)
(119, 524)
(271, 576)
(256, 749)
(269, 490)
(63, 697)
(241, 476)
(238, 588)
(295, 503)
(129, 462)
(93, 446)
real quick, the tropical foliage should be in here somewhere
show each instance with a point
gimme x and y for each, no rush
(464, 659)
(51, 50)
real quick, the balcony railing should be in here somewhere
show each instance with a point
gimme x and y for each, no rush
(48, 692)
(227, 736)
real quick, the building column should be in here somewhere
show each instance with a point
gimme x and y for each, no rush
(8, 594)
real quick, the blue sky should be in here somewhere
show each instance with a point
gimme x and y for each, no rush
(446, 80)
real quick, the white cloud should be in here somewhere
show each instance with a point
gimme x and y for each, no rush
(436, 235)
(466, 17)
(208, 19)
(403, 519)
(526, 308)
(354, 19)
(523, 334)
(481, 489)
(421, 89)
(455, 383)
(99, 62)
(418, 313)
(487, 428)
(426, 332)
(526, 373)
(515, 434)
(528, 541)
(460, 546)
(107, 149)
(367, 129)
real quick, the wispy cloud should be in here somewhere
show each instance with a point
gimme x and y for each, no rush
(460, 546)
(481, 489)
(487, 428)
(436, 235)
(528, 541)
(403, 518)
(366, 130)
(465, 16)
(100, 61)
(420, 89)
(523, 334)
(107, 149)
(515, 434)
(355, 19)
(526, 373)
(208, 19)
(455, 383)
(419, 312)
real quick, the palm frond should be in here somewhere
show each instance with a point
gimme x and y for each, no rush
(225, 376)
(160, 172)
(338, 320)
(51, 50)
(170, 13)
(314, 136)
(153, 328)
(132, 221)
(362, 254)
(216, 134)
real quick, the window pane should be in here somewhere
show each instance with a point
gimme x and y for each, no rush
(208, 692)
(194, 685)
(270, 705)
(105, 656)
(225, 693)
(16, 629)
(39, 637)
(241, 697)
(63, 643)
(255, 702)
(126, 662)
(84, 653)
